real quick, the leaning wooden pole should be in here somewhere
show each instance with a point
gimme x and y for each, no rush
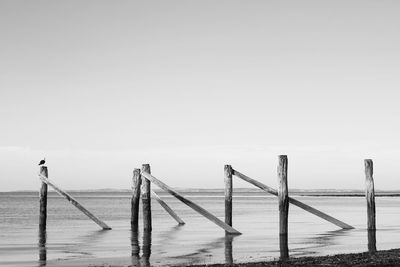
(74, 202)
(136, 184)
(228, 194)
(191, 204)
(370, 196)
(167, 208)
(293, 201)
(146, 200)
(283, 200)
(43, 200)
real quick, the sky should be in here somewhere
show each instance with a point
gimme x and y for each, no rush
(101, 87)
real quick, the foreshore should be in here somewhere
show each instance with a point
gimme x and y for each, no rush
(380, 258)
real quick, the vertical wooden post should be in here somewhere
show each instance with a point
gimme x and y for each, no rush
(228, 194)
(370, 196)
(136, 181)
(146, 200)
(43, 201)
(283, 199)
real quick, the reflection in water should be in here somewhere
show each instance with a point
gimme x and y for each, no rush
(144, 260)
(371, 241)
(283, 246)
(228, 250)
(146, 249)
(42, 247)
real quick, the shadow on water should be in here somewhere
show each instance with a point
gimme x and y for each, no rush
(42, 247)
(199, 255)
(192, 258)
(323, 240)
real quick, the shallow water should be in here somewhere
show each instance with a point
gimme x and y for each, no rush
(71, 237)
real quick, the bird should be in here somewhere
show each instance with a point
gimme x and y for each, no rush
(43, 161)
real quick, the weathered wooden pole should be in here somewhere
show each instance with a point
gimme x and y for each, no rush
(228, 194)
(283, 199)
(43, 200)
(136, 184)
(167, 208)
(370, 196)
(146, 200)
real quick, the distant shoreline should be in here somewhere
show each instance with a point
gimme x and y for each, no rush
(220, 191)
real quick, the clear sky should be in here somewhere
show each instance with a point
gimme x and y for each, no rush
(100, 87)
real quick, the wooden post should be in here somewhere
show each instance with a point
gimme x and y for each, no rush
(136, 181)
(370, 196)
(167, 208)
(191, 204)
(74, 202)
(228, 194)
(283, 199)
(146, 200)
(293, 201)
(43, 200)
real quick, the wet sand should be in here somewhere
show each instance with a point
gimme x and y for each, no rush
(379, 258)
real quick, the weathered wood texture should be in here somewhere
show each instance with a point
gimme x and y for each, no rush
(283, 195)
(167, 208)
(146, 200)
(370, 194)
(189, 203)
(136, 184)
(293, 201)
(228, 194)
(74, 202)
(283, 246)
(43, 200)
(283, 203)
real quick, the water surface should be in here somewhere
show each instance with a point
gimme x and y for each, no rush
(72, 238)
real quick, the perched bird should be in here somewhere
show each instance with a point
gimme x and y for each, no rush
(43, 161)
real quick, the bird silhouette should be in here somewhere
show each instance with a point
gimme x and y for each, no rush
(43, 161)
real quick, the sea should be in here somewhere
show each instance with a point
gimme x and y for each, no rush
(72, 239)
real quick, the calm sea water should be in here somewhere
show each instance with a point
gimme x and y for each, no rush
(74, 239)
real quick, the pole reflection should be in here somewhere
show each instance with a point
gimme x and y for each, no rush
(228, 250)
(135, 249)
(42, 247)
(146, 249)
